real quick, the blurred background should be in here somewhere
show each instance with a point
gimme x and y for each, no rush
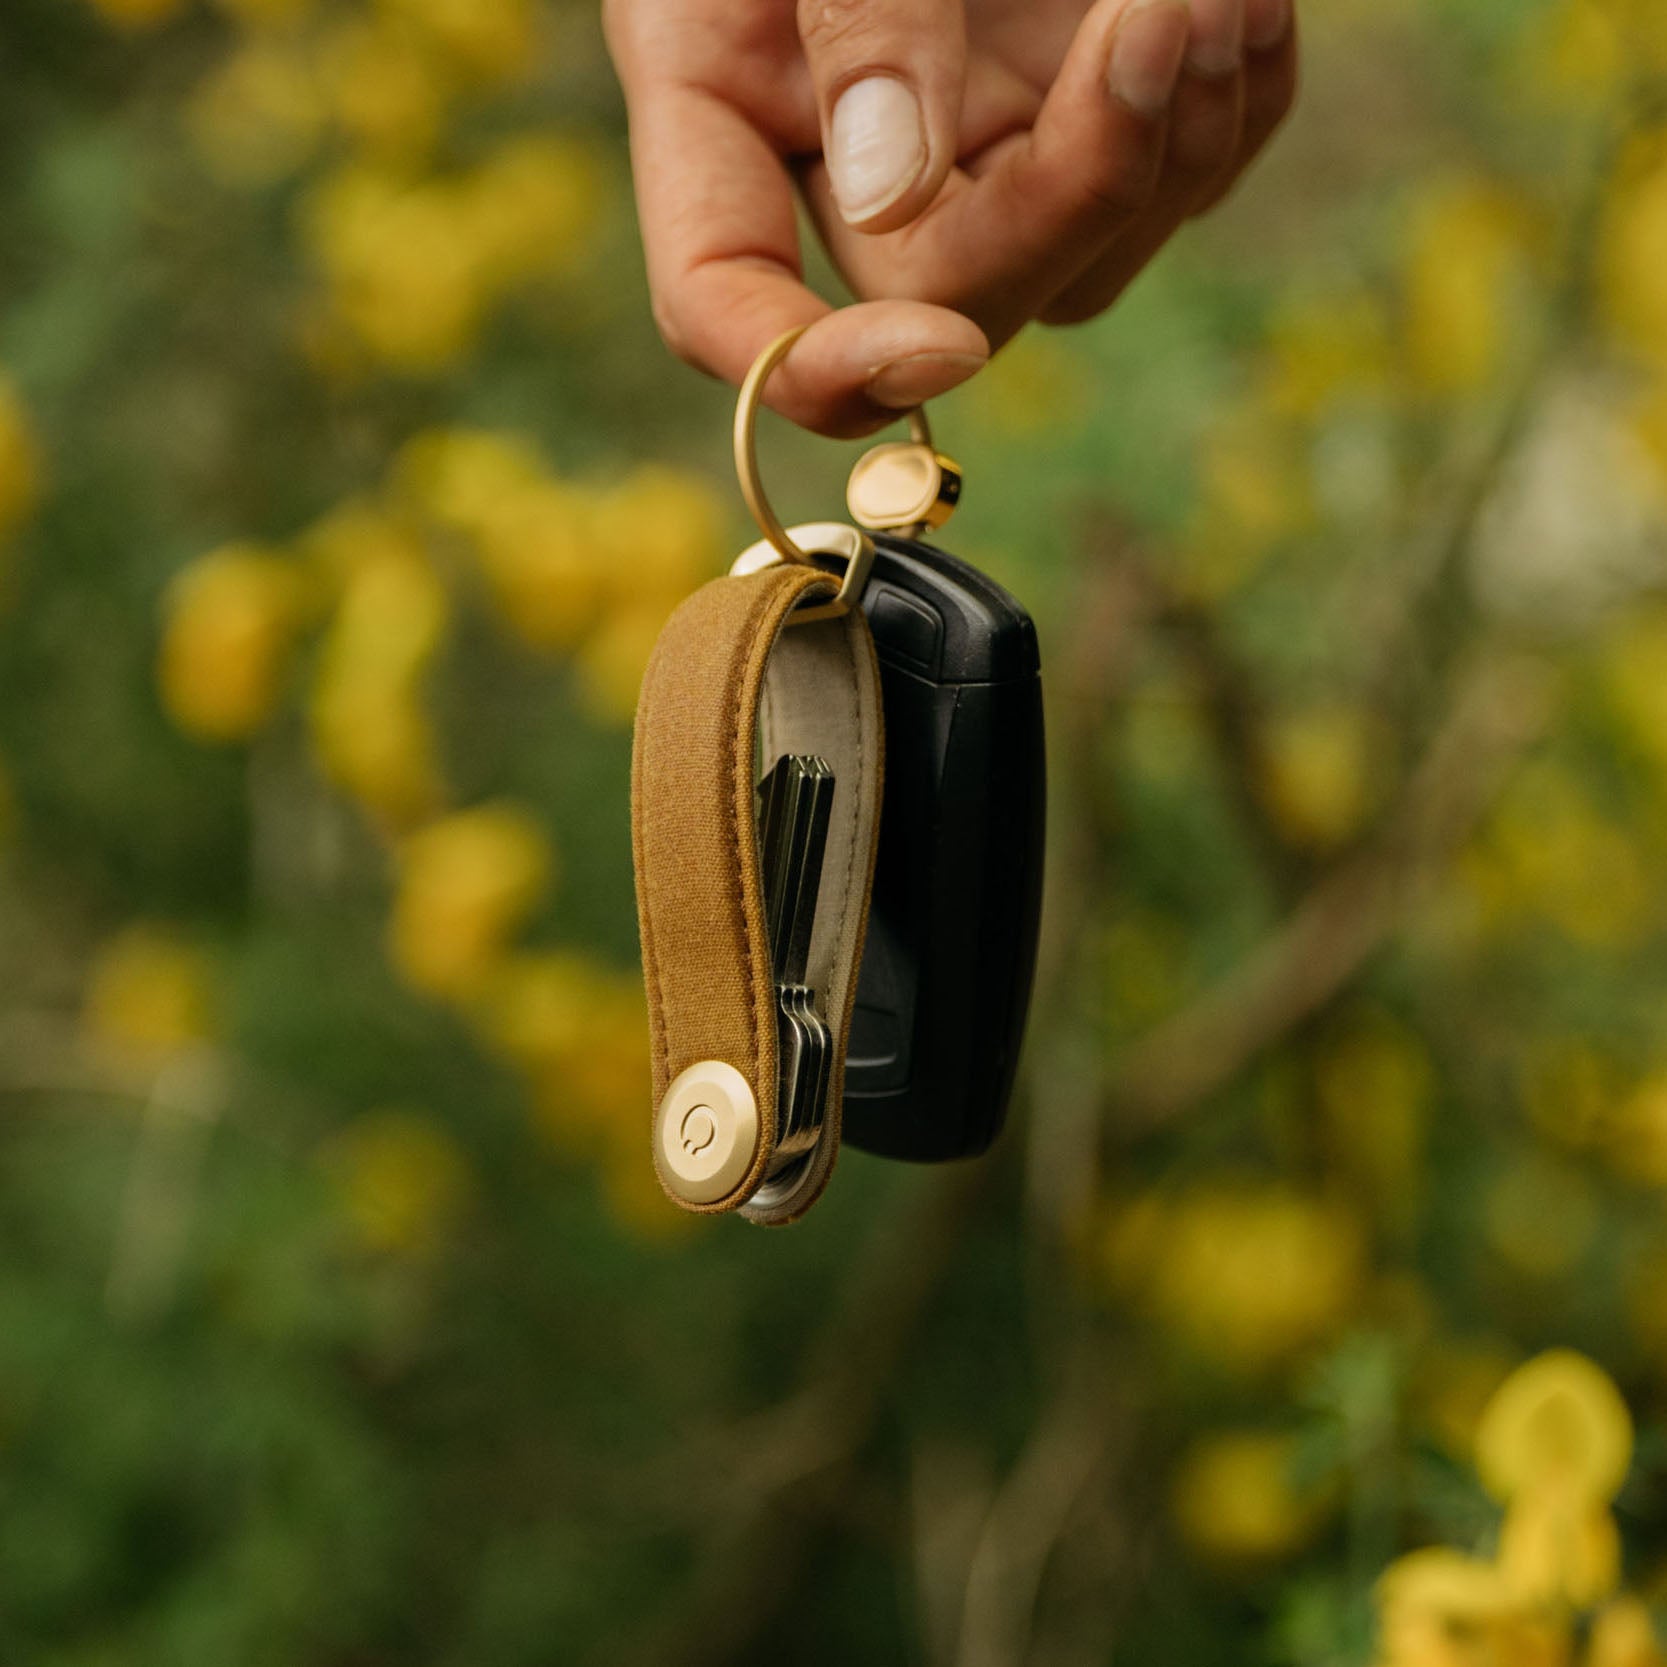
(343, 486)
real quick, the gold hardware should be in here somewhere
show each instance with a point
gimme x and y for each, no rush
(819, 538)
(746, 445)
(706, 1132)
(904, 486)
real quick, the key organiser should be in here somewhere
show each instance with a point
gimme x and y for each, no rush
(794, 998)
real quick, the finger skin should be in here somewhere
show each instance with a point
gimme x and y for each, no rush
(1035, 209)
(919, 43)
(715, 204)
(1204, 135)
(1270, 86)
(1067, 192)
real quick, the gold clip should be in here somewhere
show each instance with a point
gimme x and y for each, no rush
(746, 446)
(817, 538)
(906, 486)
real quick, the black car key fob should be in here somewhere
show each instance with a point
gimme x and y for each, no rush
(946, 974)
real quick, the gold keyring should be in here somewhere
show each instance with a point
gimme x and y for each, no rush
(746, 443)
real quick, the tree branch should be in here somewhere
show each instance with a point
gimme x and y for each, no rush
(1347, 916)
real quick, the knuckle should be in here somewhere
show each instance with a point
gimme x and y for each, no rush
(1120, 193)
(1203, 168)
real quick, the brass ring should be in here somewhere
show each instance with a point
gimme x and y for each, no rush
(746, 443)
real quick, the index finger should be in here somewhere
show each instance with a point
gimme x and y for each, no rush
(716, 206)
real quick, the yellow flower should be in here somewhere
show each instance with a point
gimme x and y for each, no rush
(665, 527)
(543, 564)
(1632, 248)
(355, 538)
(1235, 1499)
(466, 883)
(1246, 1273)
(138, 14)
(385, 86)
(1638, 1139)
(540, 1008)
(579, 1032)
(606, 1085)
(257, 117)
(612, 661)
(1556, 1423)
(229, 625)
(1577, 53)
(372, 735)
(1563, 857)
(1463, 271)
(401, 1179)
(1317, 773)
(20, 462)
(1254, 492)
(1440, 1608)
(377, 743)
(1646, 33)
(1440, 1582)
(1624, 1636)
(393, 610)
(1555, 1442)
(488, 40)
(404, 276)
(1649, 422)
(1558, 1547)
(531, 206)
(461, 477)
(1322, 349)
(149, 996)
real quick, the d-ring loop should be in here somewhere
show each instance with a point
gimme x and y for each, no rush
(746, 443)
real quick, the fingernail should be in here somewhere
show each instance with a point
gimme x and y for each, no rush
(1266, 23)
(1217, 42)
(876, 146)
(906, 383)
(1146, 54)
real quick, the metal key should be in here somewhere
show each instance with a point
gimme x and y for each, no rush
(796, 802)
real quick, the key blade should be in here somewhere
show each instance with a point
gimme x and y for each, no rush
(775, 793)
(803, 872)
(796, 802)
(806, 1065)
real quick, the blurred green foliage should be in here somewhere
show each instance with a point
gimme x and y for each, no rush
(343, 486)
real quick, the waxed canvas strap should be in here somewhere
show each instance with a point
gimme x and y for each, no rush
(729, 674)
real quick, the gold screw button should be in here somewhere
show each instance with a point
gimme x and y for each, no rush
(706, 1132)
(903, 486)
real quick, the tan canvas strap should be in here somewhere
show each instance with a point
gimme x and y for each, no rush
(728, 676)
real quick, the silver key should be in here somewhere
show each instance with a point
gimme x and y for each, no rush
(797, 800)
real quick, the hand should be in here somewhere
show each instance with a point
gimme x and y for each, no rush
(970, 166)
